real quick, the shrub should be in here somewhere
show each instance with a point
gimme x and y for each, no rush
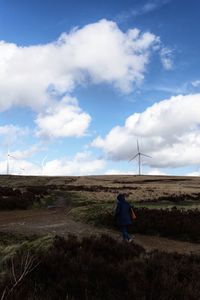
(102, 268)
(11, 199)
(173, 223)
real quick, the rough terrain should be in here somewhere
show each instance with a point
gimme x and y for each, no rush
(57, 220)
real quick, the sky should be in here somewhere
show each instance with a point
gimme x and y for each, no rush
(83, 82)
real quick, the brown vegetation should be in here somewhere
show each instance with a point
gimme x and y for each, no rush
(97, 267)
(101, 268)
(183, 225)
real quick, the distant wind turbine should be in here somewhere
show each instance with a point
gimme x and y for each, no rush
(8, 162)
(21, 171)
(139, 154)
(42, 164)
(7, 167)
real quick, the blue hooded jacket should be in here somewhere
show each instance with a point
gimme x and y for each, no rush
(122, 213)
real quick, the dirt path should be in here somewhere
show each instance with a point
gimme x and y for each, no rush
(57, 221)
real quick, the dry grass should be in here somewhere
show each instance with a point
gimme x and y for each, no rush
(141, 187)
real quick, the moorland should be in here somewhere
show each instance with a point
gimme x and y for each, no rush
(59, 239)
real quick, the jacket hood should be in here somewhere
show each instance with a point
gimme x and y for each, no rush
(120, 197)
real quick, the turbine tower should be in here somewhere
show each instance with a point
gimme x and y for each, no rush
(7, 167)
(139, 154)
(8, 161)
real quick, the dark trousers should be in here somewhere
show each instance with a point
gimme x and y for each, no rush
(124, 231)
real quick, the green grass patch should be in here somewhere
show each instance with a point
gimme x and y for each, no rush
(43, 202)
(182, 205)
(93, 213)
(10, 245)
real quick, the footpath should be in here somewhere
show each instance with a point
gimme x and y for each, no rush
(57, 221)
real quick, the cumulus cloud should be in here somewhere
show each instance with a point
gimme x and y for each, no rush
(19, 167)
(17, 161)
(10, 133)
(169, 131)
(63, 119)
(26, 153)
(13, 130)
(99, 52)
(82, 163)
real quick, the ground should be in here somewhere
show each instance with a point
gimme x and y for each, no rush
(57, 218)
(57, 221)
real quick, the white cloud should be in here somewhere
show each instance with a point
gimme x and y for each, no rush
(99, 52)
(155, 172)
(13, 130)
(63, 119)
(27, 153)
(10, 133)
(119, 172)
(18, 163)
(166, 56)
(149, 7)
(81, 164)
(197, 173)
(169, 131)
(195, 83)
(19, 167)
(142, 10)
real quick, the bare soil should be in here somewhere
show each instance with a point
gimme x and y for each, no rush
(57, 221)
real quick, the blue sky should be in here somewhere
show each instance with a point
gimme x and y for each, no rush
(82, 81)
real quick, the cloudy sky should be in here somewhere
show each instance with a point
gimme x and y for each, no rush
(82, 81)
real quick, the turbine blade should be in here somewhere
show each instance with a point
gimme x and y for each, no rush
(138, 148)
(12, 156)
(145, 155)
(42, 164)
(133, 157)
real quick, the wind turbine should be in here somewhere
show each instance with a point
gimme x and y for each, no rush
(21, 171)
(7, 167)
(42, 164)
(8, 162)
(139, 154)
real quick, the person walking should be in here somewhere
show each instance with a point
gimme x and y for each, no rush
(123, 216)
